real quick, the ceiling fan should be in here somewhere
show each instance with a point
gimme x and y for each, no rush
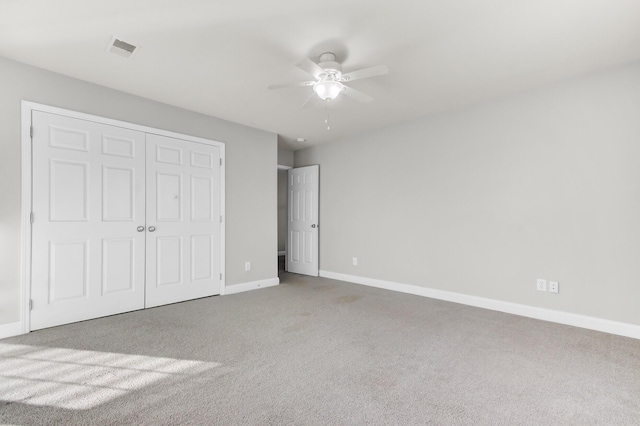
(329, 79)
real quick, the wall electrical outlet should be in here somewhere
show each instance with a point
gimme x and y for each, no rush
(541, 285)
(247, 266)
(355, 261)
(554, 287)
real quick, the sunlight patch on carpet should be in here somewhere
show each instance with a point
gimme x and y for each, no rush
(79, 380)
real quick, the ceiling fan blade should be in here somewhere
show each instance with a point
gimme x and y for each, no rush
(287, 85)
(366, 73)
(357, 95)
(310, 67)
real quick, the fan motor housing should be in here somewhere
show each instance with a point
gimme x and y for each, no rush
(328, 63)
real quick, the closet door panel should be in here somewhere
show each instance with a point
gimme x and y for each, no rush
(88, 200)
(183, 219)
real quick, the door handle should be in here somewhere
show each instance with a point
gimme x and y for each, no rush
(152, 228)
(313, 226)
(140, 228)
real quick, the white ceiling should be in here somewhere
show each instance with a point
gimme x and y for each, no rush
(218, 56)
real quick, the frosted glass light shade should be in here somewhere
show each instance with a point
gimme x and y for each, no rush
(328, 90)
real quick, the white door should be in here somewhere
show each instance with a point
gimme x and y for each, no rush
(183, 220)
(88, 206)
(302, 232)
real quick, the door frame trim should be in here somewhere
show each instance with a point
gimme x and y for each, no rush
(27, 108)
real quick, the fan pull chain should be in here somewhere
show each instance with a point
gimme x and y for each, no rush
(326, 121)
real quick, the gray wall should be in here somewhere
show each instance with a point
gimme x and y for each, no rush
(285, 157)
(282, 209)
(484, 200)
(251, 158)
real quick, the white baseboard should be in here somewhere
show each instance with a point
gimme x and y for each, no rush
(253, 285)
(11, 329)
(576, 320)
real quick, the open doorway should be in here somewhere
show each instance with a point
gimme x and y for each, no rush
(298, 192)
(302, 220)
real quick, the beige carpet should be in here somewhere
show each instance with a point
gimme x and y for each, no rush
(321, 352)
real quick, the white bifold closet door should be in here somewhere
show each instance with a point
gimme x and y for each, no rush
(183, 220)
(112, 204)
(88, 201)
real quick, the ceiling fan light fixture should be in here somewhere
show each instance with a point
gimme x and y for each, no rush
(328, 90)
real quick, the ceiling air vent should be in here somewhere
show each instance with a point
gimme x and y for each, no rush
(121, 48)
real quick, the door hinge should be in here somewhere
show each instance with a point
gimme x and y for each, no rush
(31, 304)
(31, 217)
(31, 132)
(221, 161)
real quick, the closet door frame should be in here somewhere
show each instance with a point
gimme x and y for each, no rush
(27, 109)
